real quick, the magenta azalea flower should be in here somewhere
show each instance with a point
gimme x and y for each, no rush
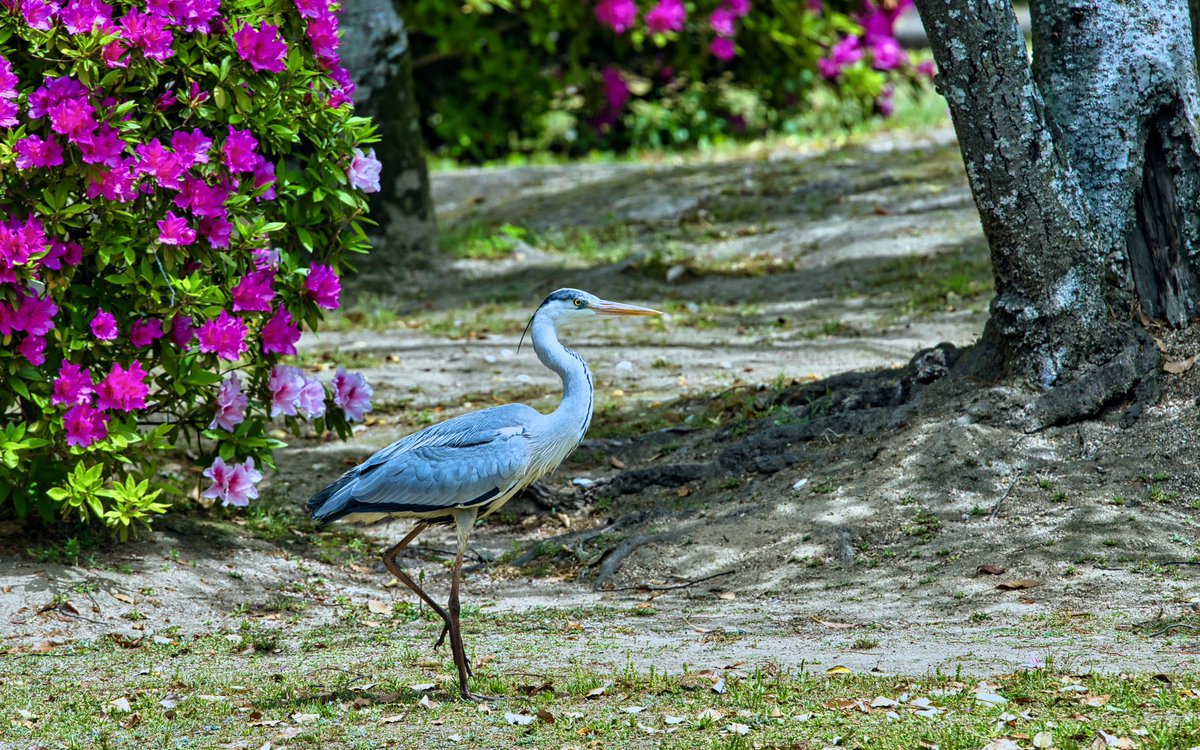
(738, 8)
(234, 484)
(39, 14)
(887, 54)
(224, 335)
(846, 52)
(83, 16)
(240, 154)
(722, 48)
(280, 334)
(285, 384)
(145, 332)
(105, 147)
(8, 80)
(183, 330)
(723, 22)
(123, 390)
(74, 118)
(35, 314)
(191, 147)
(148, 32)
(364, 171)
(311, 398)
(668, 15)
(265, 257)
(104, 325)
(323, 286)
(262, 47)
(231, 405)
(313, 8)
(33, 152)
(73, 385)
(173, 230)
(84, 425)
(323, 37)
(352, 392)
(216, 229)
(253, 292)
(615, 89)
(33, 349)
(618, 15)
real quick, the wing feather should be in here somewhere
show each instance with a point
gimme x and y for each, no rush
(466, 460)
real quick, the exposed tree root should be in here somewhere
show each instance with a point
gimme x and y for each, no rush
(610, 561)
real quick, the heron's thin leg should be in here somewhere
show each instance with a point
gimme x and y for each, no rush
(464, 519)
(389, 561)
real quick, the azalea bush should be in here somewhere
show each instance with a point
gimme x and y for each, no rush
(498, 76)
(180, 184)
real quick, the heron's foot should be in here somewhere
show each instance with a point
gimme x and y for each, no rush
(442, 638)
(467, 695)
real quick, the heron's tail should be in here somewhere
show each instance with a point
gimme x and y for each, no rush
(332, 503)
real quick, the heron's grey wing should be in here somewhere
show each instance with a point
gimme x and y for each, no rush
(468, 460)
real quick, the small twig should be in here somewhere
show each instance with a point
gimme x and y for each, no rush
(1180, 562)
(996, 507)
(684, 585)
(1173, 626)
(613, 559)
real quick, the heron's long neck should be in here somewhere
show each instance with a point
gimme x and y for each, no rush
(574, 413)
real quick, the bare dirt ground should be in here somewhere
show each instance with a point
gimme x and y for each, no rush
(843, 521)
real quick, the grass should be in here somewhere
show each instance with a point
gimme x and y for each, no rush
(350, 686)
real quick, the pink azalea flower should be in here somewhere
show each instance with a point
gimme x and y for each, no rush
(173, 230)
(615, 88)
(183, 330)
(146, 332)
(74, 118)
(265, 257)
(722, 48)
(35, 314)
(285, 384)
(105, 147)
(322, 36)
(83, 16)
(264, 177)
(884, 103)
(723, 22)
(192, 147)
(202, 199)
(927, 68)
(323, 286)
(240, 154)
(738, 8)
(54, 91)
(73, 385)
(668, 15)
(84, 425)
(352, 392)
(312, 8)
(887, 54)
(117, 184)
(62, 254)
(846, 52)
(8, 113)
(8, 80)
(231, 405)
(280, 334)
(104, 325)
(364, 171)
(148, 32)
(263, 48)
(234, 484)
(224, 335)
(39, 14)
(123, 390)
(311, 398)
(33, 152)
(217, 230)
(253, 292)
(33, 349)
(618, 15)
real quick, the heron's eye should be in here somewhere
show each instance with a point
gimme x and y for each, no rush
(578, 302)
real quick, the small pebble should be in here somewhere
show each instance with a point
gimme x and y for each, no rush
(523, 378)
(624, 365)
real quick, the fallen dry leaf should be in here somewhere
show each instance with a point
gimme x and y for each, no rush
(123, 598)
(1178, 366)
(990, 570)
(1001, 744)
(839, 669)
(1017, 583)
(740, 729)
(1043, 740)
(596, 692)
(121, 705)
(392, 719)
(545, 716)
(132, 721)
(305, 718)
(423, 687)
(376, 607)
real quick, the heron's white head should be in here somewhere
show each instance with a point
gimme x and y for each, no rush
(569, 305)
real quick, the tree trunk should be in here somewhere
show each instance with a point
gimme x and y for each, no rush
(1085, 171)
(375, 50)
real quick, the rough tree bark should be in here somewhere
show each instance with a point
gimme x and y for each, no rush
(376, 52)
(1085, 170)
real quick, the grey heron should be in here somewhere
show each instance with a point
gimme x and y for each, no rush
(467, 467)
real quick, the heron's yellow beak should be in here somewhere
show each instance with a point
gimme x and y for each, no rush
(616, 308)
